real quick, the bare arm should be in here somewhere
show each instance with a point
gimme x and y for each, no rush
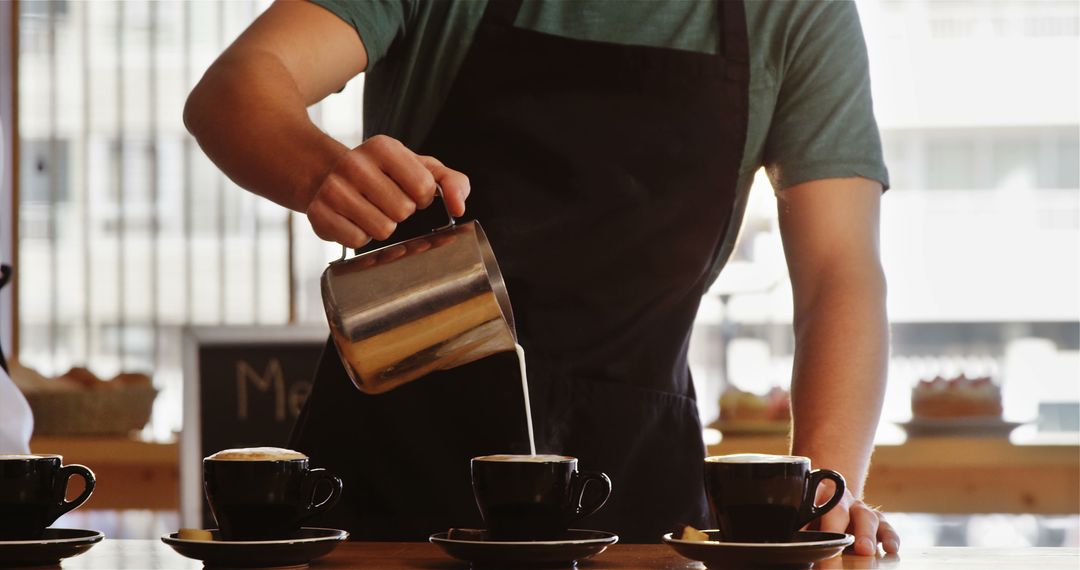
(830, 234)
(249, 114)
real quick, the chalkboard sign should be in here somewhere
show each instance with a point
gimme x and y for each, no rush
(243, 387)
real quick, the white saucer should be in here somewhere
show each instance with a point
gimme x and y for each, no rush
(55, 545)
(806, 549)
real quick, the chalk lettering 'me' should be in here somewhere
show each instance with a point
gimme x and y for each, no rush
(271, 378)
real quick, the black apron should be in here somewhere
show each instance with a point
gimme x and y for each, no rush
(605, 178)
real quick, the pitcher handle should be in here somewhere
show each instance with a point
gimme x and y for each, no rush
(449, 217)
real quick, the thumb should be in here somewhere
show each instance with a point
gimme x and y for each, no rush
(455, 185)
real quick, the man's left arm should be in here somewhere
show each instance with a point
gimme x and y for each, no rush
(830, 235)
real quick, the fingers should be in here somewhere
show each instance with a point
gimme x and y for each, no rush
(887, 536)
(455, 185)
(344, 200)
(331, 226)
(377, 185)
(404, 168)
(864, 524)
(363, 172)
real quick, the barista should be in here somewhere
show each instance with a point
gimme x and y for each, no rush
(608, 149)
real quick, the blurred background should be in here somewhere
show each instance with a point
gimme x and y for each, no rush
(124, 233)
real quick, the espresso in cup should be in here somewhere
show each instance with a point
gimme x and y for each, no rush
(265, 493)
(765, 498)
(33, 491)
(534, 497)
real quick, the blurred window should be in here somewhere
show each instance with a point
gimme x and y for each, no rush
(128, 233)
(980, 232)
(952, 165)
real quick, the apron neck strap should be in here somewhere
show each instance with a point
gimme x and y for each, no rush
(501, 13)
(733, 25)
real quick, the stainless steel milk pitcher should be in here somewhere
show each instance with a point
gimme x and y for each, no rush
(429, 303)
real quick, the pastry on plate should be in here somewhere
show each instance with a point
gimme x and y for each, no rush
(959, 397)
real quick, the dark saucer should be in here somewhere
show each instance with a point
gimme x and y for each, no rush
(474, 547)
(805, 549)
(55, 545)
(307, 545)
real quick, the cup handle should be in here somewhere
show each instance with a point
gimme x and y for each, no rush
(311, 483)
(578, 482)
(63, 475)
(812, 511)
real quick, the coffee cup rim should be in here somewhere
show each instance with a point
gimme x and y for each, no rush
(756, 459)
(255, 454)
(548, 458)
(30, 456)
(263, 460)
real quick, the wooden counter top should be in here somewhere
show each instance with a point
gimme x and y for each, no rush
(154, 555)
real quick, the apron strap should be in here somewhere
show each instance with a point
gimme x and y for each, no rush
(736, 51)
(500, 13)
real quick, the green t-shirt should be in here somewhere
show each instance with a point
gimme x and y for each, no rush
(811, 114)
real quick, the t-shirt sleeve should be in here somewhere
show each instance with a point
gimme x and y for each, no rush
(823, 125)
(378, 22)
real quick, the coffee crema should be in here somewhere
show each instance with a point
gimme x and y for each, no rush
(525, 458)
(257, 454)
(756, 458)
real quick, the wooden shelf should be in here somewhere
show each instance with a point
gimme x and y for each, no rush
(958, 475)
(932, 475)
(131, 474)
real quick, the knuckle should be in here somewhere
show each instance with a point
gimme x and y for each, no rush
(319, 228)
(315, 214)
(429, 160)
(347, 163)
(355, 166)
(382, 143)
(333, 188)
(425, 187)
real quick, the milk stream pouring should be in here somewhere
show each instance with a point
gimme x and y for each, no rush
(525, 390)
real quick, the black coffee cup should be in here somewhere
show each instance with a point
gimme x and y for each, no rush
(265, 498)
(534, 497)
(765, 498)
(33, 493)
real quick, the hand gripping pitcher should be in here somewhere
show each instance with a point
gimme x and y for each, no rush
(429, 303)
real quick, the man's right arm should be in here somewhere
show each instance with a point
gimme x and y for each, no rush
(249, 114)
